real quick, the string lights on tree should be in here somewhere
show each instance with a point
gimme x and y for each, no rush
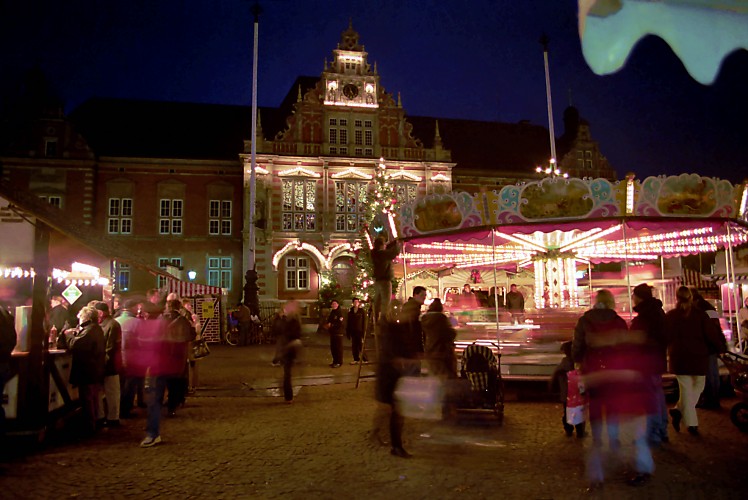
(380, 208)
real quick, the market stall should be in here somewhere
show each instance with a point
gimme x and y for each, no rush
(208, 302)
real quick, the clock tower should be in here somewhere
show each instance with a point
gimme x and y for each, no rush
(349, 80)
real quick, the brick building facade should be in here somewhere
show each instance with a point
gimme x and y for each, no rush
(172, 179)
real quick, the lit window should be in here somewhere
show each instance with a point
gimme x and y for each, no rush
(297, 273)
(219, 272)
(299, 205)
(123, 277)
(219, 217)
(163, 262)
(405, 192)
(120, 216)
(350, 204)
(170, 213)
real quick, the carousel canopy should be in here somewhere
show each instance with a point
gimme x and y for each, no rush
(589, 220)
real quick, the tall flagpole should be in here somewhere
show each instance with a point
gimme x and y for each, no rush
(253, 149)
(544, 42)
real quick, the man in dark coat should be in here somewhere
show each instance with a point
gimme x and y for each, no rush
(86, 343)
(112, 366)
(354, 330)
(335, 326)
(710, 396)
(650, 321)
(410, 315)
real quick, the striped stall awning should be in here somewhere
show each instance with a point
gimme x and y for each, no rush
(189, 289)
(696, 280)
(723, 278)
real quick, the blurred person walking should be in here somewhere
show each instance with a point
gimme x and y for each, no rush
(112, 367)
(288, 331)
(689, 330)
(86, 344)
(650, 320)
(354, 330)
(132, 381)
(615, 374)
(179, 335)
(335, 326)
(398, 357)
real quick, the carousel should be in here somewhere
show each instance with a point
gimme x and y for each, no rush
(558, 231)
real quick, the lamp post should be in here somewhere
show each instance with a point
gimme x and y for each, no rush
(253, 140)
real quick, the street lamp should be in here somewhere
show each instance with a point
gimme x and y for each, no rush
(552, 170)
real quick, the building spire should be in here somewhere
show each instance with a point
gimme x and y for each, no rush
(437, 137)
(298, 96)
(399, 101)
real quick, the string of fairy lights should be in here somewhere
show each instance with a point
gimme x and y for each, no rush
(587, 245)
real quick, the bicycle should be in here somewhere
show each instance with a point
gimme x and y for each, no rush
(256, 335)
(232, 336)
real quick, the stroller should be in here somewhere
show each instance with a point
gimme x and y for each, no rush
(737, 364)
(482, 388)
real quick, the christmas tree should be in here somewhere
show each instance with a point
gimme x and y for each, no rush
(376, 218)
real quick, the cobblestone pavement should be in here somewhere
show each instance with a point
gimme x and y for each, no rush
(236, 439)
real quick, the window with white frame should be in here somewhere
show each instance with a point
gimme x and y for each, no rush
(170, 214)
(358, 137)
(120, 216)
(343, 135)
(297, 273)
(368, 138)
(333, 136)
(405, 192)
(123, 277)
(350, 204)
(219, 217)
(299, 205)
(219, 271)
(163, 262)
(55, 201)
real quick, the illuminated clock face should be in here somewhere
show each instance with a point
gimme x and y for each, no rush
(350, 91)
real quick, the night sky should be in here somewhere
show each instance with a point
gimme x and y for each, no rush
(474, 59)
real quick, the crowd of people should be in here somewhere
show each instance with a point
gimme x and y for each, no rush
(621, 370)
(141, 350)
